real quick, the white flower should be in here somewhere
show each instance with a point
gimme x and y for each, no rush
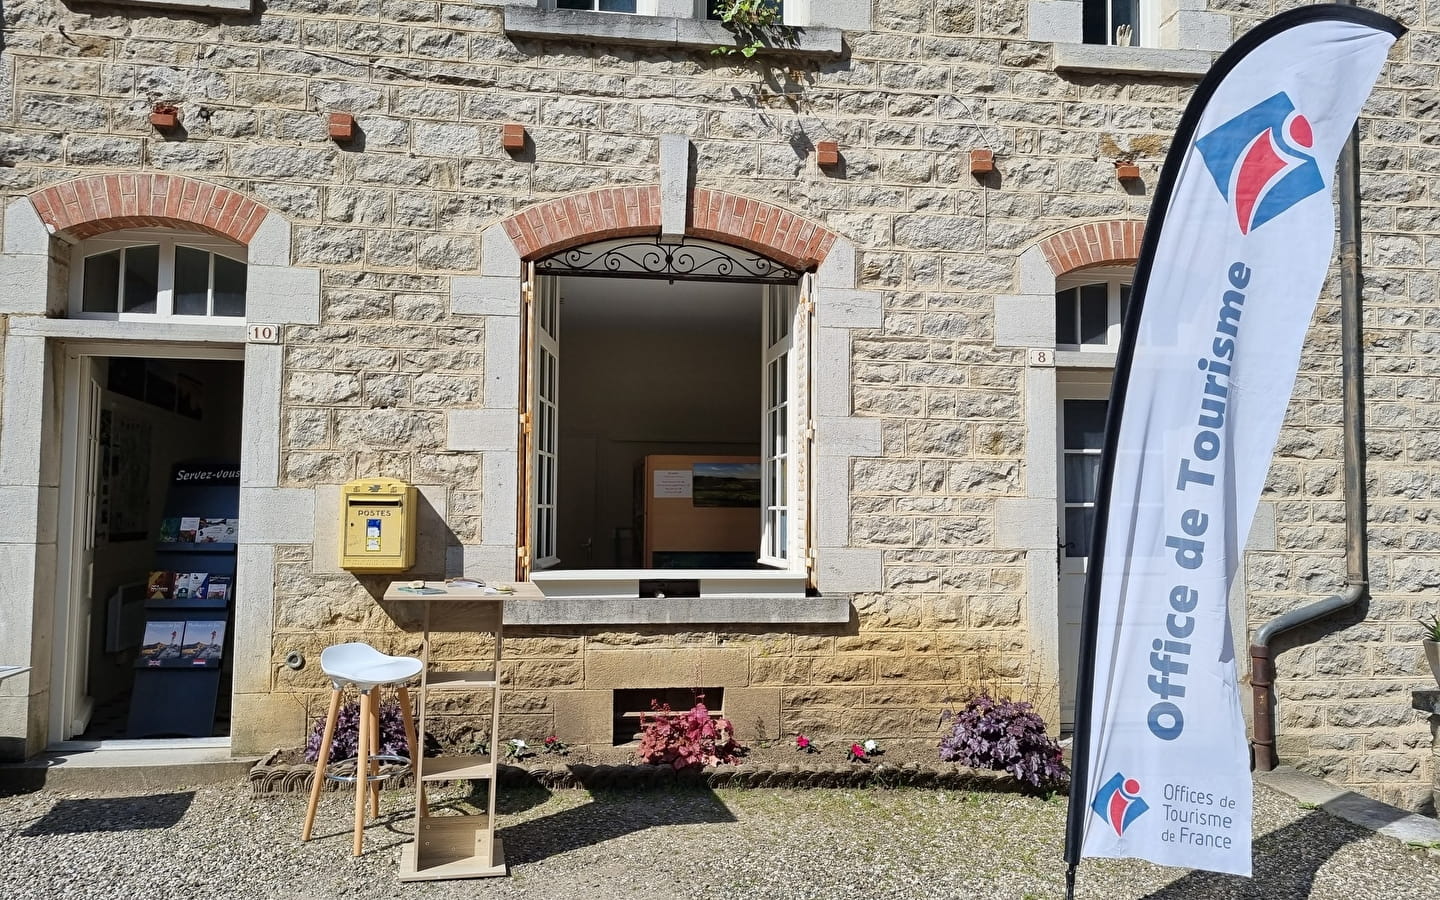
(870, 746)
(517, 743)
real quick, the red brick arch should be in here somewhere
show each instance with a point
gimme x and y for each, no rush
(779, 234)
(84, 207)
(1093, 244)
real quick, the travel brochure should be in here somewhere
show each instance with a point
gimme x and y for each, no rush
(199, 530)
(197, 643)
(188, 586)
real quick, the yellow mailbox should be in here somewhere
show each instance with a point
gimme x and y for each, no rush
(378, 520)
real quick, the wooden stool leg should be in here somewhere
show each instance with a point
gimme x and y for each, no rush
(412, 745)
(375, 749)
(321, 761)
(362, 767)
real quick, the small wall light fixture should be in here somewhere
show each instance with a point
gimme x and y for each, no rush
(342, 126)
(982, 162)
(827, 154)
(1126, 170)
(512, 136)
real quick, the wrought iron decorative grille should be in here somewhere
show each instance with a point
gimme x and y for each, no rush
(659, 259)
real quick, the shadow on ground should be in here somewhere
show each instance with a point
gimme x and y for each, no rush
(1286, 861)
(608, 815)
(112, 814)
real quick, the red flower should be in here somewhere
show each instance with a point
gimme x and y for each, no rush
(857, 752)
(802, 742)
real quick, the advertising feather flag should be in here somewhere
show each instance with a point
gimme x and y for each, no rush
(1236, 249)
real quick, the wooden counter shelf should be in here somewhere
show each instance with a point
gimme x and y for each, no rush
(462, 846)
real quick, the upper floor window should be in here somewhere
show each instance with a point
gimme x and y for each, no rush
(156, 273)
(714, 7)
(1121, 23)
(1090, 307)
(697, 9)
(802, 26)
(644, 7)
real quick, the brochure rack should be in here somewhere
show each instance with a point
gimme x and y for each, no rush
(181, 667)
(455, 846)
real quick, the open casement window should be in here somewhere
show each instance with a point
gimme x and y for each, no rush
(776, 535)
(540, 423)
(786, 432)
(149, 274)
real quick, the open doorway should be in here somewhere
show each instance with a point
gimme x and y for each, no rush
(149, 502)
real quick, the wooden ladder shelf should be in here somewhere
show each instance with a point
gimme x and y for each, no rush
(455, 846)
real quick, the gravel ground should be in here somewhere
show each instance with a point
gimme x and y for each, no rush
(223, 842)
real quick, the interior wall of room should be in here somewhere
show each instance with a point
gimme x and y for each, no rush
(647, 368)
(173, 437)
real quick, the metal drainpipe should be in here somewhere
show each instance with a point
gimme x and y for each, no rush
(1357, 568)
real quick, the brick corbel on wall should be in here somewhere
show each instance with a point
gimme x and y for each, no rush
(556, 225)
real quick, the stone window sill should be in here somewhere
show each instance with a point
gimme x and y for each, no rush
(829, 609)
(652, 31)
(1132, 60)
(219, 6)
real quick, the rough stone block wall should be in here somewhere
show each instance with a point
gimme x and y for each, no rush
(390, 216)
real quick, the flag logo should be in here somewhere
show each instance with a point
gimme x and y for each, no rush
(1259, 163)
(1119, 802)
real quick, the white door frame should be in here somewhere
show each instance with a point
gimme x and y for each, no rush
(69, 705)
(1070, 384)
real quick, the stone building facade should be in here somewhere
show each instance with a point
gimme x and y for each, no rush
(397, 266)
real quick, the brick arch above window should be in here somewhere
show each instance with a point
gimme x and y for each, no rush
(1093, 244)
(777, 233)
(96, 204)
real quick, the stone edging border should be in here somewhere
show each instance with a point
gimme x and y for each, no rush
(271, 777)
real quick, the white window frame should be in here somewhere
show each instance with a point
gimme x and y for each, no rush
(786, 568)
(642, 8)
(1113, 277)
(544, 422)
(783, 465)
(1149, 13)
(797, 12)
(167, 240)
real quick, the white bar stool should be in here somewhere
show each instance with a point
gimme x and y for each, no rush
(368, 669)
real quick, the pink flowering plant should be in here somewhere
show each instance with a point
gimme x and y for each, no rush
(864, 751)
(803, 744)
(688, 739)
(556, 746)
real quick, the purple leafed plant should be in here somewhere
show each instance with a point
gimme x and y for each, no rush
(1006, 735)
(345, 744)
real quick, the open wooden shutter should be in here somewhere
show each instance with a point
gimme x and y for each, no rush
(802, 554)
